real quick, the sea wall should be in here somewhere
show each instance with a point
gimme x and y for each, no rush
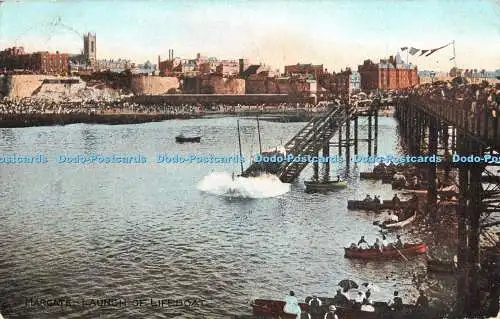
(151, 85)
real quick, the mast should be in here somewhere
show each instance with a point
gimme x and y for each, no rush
(239, 143)
(258, 131)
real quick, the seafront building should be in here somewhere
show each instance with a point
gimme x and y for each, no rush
(15, 59)
(388, 74)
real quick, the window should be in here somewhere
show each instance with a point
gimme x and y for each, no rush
(92, 46)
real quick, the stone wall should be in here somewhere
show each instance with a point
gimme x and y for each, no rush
(222, 85)
(152, 85)
(213, 84)
(22, 85)
(277, 86)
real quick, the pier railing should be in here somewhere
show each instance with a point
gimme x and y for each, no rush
(481, 125)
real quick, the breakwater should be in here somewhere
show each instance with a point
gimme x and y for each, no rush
(47, 119)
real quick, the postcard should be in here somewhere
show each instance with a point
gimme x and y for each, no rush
(249, 159)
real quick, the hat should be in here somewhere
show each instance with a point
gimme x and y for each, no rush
(332, 308)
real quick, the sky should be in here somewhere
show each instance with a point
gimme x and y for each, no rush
(335, 33)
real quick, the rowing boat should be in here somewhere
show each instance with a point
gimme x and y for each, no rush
(400, 223)
(387, 253)
(323, 186)
(183, 139)
(370, 205)
(267, 308)
(274, 309)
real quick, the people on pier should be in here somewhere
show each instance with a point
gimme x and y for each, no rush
(377, 200)
(331, 313)
(368, 198)
(292, 305)
(338, 179)
(362, 243)
(377, 244)
(315, 308)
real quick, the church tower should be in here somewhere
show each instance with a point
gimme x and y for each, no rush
(89, 49)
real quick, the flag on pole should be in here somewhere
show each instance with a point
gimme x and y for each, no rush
(434, 50)
(413, 50)
(423, 52)
(404, 48)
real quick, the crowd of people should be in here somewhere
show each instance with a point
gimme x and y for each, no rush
(362, 301)
(476, 98)
(472, 105)
(35, 105)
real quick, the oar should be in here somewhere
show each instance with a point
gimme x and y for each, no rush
(406, 259)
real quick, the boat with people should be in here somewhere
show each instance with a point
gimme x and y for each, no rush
(330, 184)
(374, 206)
(385, 253)
(183, 139)
(318, 185)
(269, 308)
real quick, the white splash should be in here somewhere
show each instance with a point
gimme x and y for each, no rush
(222, 183)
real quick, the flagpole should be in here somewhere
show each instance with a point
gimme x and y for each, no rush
(454, 56)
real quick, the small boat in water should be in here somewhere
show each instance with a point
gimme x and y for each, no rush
(387, 253)
(324, 186)
(182, 139)
(399, 224)
(371, 205)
